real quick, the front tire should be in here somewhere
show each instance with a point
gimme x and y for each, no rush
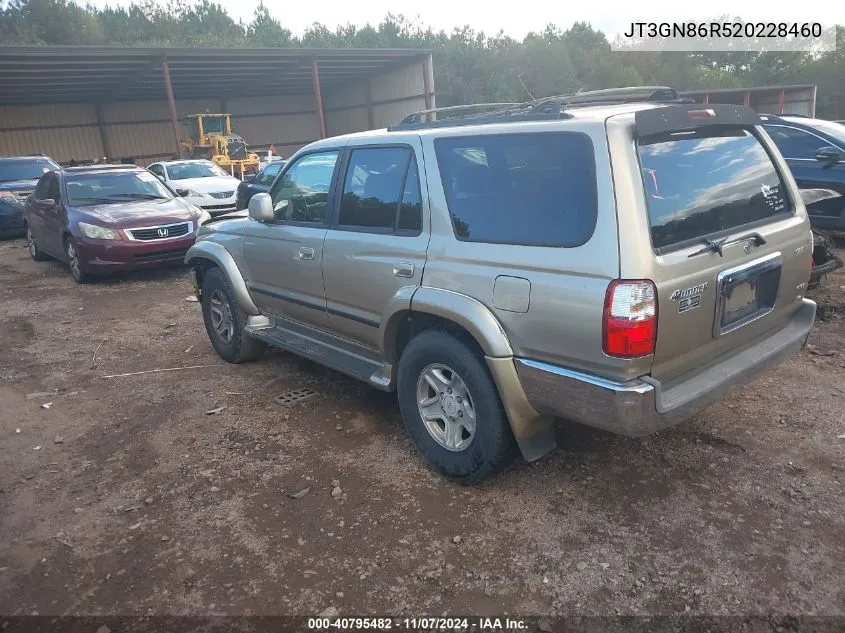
(34, 251)
(225, 320)
(74, 263)
(452, 410)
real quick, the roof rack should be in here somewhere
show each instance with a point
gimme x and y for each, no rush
(546, 109)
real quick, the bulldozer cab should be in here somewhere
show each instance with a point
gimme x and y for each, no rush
(202, 125)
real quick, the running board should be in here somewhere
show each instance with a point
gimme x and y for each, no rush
(333, 356)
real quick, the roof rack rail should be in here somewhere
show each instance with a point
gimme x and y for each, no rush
(543, 110)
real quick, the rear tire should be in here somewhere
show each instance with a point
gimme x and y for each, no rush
(34, 251)
(74, 263)
(465, 436)
(225, 320)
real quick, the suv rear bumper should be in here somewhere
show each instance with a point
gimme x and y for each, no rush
(643, 406)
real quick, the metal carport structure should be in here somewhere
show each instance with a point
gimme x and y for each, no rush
(86, 102)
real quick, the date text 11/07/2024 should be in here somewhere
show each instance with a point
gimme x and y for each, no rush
(417, 624)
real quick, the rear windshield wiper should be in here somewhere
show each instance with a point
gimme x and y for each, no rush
(717, 246)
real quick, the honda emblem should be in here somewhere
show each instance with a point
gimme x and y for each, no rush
(163, 232)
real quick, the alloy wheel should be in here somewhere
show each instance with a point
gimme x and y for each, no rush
(446, 407)
(221, 316)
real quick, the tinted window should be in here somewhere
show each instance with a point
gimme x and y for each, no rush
(25, 169)
(534, 189)
(53, 188)
(114, 187)
(795, 143)
(702, 183)
(42, 187)
(302, 193)
(410, 211)
(158, 170)
(269, 174)
(835, 130)
(373, 187)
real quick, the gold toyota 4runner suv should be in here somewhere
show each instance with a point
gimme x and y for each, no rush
(619, 258)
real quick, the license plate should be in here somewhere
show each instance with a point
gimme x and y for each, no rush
(742, 300)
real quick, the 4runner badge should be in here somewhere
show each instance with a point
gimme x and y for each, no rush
(689, 298)
(689, 292)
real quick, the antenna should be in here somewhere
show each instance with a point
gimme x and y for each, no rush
(524, 87)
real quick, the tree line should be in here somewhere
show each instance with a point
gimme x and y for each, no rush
(470, 66)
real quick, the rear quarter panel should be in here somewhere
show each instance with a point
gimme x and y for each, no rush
(563, 322)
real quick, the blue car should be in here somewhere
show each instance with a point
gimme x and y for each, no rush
(18, 177)
(260, 183)
(815, 152)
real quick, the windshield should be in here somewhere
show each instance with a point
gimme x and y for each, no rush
(114, 187)
(25, 169)
(183, 171)
(836, 130)
(702, 183)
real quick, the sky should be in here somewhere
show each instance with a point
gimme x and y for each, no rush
(610, 16)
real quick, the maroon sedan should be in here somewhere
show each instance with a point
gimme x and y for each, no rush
(103, 218)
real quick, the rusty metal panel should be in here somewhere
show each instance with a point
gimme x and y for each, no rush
(265, 105)
(281, 128)
(134, 139)
(61, 144)
(124, 111)
(402, 82)
(54, 114)
(387, 114)
(347, 120)
(353, 94)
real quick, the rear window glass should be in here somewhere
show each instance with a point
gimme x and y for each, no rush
(531, 189)
(699, 184)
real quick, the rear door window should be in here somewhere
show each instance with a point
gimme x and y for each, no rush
(532, 189)
(703, 183)
(795, 143)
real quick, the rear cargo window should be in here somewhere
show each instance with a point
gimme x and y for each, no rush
(531, 189)
(700, 184)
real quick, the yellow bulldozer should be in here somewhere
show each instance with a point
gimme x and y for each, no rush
(212, 138)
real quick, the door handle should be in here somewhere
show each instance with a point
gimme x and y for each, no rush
(403, 269)
(306, 252)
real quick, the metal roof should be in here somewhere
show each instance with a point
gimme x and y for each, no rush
(88, 74)
(742, 91)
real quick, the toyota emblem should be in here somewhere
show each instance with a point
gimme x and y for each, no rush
(165, 233)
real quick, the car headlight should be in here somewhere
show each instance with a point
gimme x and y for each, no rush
(203, 216)
(190, 193)
(98, 232)
(8, 196)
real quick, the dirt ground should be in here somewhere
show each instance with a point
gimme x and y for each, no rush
(125, 496)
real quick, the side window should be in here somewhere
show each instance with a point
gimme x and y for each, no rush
(269, 174)
(158, 170)
(379, 191)
(53, 188)
(532, 189)
(42, 187)
(302, 194)
(410, 211)
(795, 143)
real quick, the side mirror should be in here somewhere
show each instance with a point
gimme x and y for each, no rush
(828, 155)
(46, 203)
(261, 207)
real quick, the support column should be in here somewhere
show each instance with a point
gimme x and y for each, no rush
(104, 138)
(371, 117)
(813, 104)
(706, 99)
(318, 98)
(746, 101)
(427, 85)
(171, 102)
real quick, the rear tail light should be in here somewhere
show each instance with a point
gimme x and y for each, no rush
(630, 318)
